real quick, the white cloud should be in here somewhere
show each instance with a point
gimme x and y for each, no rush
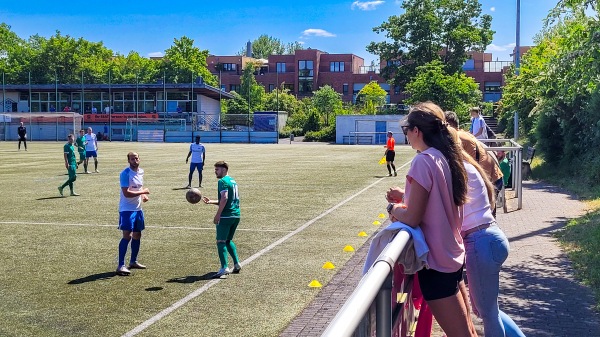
(317, 32)
(367, 5)
(493, 9)
(156, 54)
(492, 47)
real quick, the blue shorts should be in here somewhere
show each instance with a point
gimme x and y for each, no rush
(91, 154)
(194, 166)
(132, 221)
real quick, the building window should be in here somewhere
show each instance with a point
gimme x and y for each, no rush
(271, 87)
(305, 76)
(229, 67)
(305, 68)
(280, 67)
(469, 65)
(393, 63)
(223, 87)
(336, 66)
(289, 87)
(345, 88)
(234, 87)
(492, 87)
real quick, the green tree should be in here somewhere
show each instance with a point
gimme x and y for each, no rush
(281, 100)
(431, 30)
(134, 68)
(183, 62)
(237, 105)
(370, 97)
(250, 90)
(266, 45)
(327, 102)
(455, 92)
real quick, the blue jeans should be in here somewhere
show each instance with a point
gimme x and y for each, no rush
(486, 250)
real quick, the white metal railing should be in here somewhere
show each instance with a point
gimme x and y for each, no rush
(375, 285)
(516, 169)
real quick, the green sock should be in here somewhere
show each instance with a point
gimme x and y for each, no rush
(222, 250)
(232, 251)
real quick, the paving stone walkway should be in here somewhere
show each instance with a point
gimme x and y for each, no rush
(538, 289)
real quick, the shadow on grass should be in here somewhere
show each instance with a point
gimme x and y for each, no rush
(49, 198)
(193, 278)
(94, 277)
(180, 188)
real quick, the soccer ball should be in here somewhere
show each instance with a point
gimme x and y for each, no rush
(193, 196)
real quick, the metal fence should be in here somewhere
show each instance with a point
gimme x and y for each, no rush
(383, 292)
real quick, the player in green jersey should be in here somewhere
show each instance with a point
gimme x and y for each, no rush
(227, 218)
(70, 164)
(80, 141)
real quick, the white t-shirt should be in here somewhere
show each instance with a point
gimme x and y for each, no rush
(91, 142)
(477, 210)
(197, 151)
(134, 181)
(478, 123)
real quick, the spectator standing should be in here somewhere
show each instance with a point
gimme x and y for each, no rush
(106, 136)
(436, 189)
(197, 151)
(131, 216)
(477, 150)
(107, 110)
(70, 164)
(478, 127)
(94, 110)
(486, 249)
(91, 150)
(227, 218)
(22, 132)
(390, 153)
(505, 168)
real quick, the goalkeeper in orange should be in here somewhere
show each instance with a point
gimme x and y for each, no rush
(390, 154)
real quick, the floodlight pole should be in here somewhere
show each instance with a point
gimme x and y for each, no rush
(3, 93)
(110, 104)
(56, 89)
(277, 85)
(518, 39)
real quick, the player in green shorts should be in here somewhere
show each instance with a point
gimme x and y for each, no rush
(80, 141)
(70, 164)
(227, 218)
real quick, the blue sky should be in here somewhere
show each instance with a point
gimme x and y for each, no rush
(223, 28)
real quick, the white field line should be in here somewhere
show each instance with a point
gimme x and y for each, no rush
(115, 226)
(258, 254)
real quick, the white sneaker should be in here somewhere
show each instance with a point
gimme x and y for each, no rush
(222, 272)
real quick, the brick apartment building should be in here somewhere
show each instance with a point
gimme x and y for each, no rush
(307, 70)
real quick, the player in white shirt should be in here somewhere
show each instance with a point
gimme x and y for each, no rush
(197, 151)
(91, 150)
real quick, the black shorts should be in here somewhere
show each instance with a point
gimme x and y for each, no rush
(390, 155)
(436, 285)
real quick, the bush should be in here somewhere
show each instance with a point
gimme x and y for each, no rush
(285, 133)
(327, 134)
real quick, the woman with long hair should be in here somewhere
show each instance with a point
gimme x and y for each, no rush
(436, 189)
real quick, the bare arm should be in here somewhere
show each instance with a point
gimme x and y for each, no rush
(130, 193)
(188, 156)
(412, 214)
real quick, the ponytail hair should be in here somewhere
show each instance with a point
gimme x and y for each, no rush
(431, 121)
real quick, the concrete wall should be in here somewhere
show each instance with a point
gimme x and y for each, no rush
(347, 124)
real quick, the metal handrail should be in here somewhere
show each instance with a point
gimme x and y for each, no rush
(372, 286)
(517, 174)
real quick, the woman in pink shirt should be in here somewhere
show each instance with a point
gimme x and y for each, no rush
(436, 188)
